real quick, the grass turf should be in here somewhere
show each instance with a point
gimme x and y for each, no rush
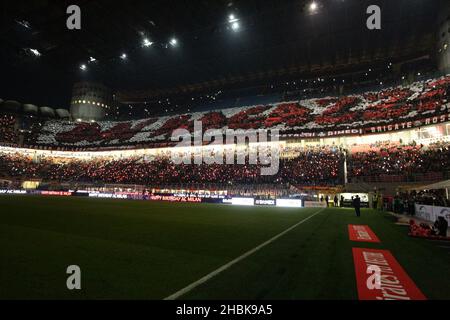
(149, 250)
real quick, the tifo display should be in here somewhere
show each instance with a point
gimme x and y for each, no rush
(396, 108)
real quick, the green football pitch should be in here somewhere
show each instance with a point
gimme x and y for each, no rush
(151, 250)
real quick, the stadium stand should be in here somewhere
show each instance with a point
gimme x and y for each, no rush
(322, 166)
(401, 103)
(8, 132)
(399, 163)
(302, 170)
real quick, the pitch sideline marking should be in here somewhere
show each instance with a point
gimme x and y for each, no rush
(214, 273)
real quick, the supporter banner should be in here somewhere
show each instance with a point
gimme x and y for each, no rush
(394, 283)
(196, 195)
(108, 195)
(3, 191)
(324, 134)
(431, 213)
(174, 199)
(373, 129)
(324, 190)
(361, 233)
(408, 124)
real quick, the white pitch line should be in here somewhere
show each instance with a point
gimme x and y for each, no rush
(209, 276)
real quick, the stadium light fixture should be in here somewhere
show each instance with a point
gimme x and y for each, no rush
(83, 67)
(235, 26)
(35, 52)
(92, 59)
(123, 56)
(146, 42)
(233, 22)
(24, 23)
(313, 6)
(173, 42)
(232, 18)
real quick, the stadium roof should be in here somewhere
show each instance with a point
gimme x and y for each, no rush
(41, 58)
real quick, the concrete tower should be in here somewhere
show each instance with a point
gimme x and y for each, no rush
(90, 101)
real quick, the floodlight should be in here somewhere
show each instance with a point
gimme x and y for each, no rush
(146, 42)
(313, 6)
(35, 52)
(173, 42)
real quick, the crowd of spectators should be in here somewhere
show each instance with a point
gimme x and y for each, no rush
(404, 202)
(430, 197)
(8, 132)
(298, 166)
(400, 160)
(312, 166)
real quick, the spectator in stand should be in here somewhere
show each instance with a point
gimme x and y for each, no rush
(299, 170)
(401, 161)
(441, 226)
(8, 133)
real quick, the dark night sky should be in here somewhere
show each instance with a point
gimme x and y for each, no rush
(274, 35)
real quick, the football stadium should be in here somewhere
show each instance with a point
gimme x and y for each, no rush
(225, 150)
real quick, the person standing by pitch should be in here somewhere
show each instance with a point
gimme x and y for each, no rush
(357, 205)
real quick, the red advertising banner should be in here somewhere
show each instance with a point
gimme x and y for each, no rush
(394, 283)
(361, 233)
